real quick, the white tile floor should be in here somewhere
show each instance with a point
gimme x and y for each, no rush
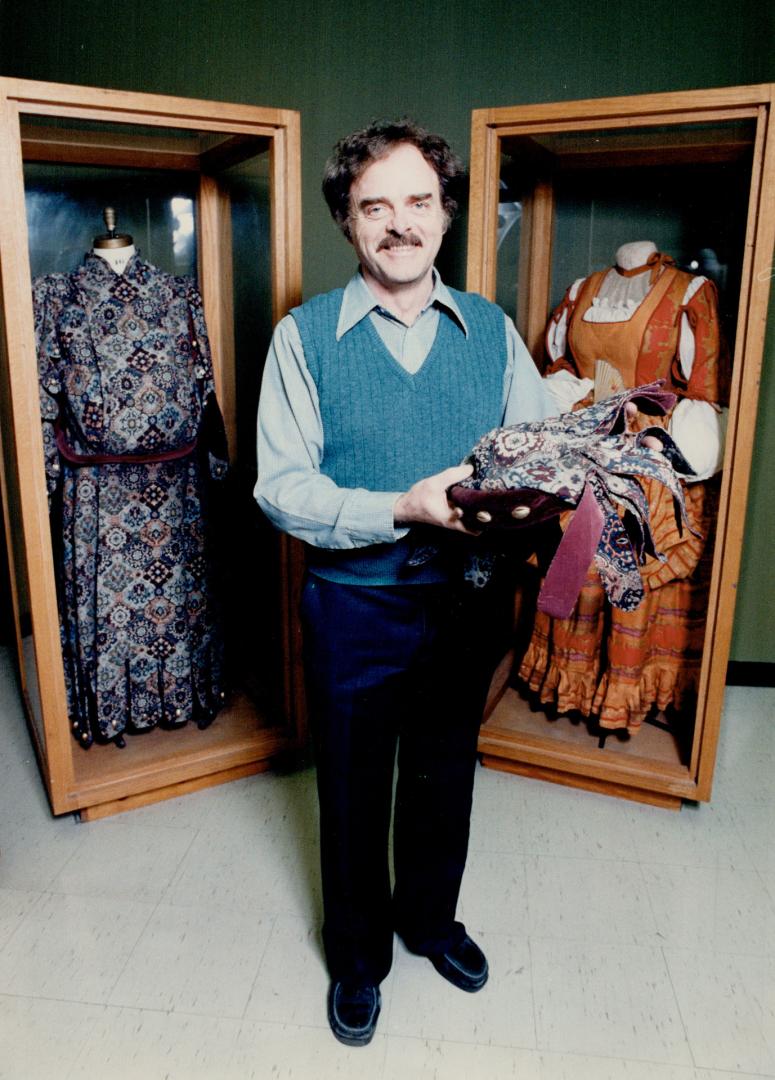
(180, 941)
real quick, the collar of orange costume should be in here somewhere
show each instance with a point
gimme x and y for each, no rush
(656, 263)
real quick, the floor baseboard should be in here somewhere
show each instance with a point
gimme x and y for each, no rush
(750, 673)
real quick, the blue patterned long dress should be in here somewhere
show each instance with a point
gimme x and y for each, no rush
(133, 445)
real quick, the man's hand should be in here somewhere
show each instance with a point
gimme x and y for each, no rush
(426, 501)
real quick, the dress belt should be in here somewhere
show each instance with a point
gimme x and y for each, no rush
(75, 458)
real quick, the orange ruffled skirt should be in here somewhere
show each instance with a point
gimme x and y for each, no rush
(619, 665)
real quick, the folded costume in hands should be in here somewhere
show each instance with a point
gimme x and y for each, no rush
(584, 461)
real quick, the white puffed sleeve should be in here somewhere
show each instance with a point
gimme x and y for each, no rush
(699, 432)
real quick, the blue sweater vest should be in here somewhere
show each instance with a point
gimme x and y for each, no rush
(384, 429)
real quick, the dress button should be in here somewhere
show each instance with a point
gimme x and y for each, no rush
(520, 512)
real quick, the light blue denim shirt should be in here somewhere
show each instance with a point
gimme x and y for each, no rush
(291, 490)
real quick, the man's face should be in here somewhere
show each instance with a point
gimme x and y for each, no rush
(396, 218)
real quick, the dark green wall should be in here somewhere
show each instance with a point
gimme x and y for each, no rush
(342, 64)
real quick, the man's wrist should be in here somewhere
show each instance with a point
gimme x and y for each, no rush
(400, 514)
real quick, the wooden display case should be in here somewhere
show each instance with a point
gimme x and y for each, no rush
(555, 189)
(227, 178)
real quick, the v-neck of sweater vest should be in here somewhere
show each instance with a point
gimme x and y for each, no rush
(409, 378)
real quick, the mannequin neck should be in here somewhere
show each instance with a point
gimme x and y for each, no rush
(629, 256)
(117, 258)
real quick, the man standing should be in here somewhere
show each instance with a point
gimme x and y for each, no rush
(371, 396)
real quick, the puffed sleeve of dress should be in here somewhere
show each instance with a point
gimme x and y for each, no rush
(213, 433)
(46, 300)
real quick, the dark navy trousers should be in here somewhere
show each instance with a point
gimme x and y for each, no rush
(406, 669)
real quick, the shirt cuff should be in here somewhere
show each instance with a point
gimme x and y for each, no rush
(367, 517)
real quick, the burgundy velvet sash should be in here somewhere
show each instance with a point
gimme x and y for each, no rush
(76, 458)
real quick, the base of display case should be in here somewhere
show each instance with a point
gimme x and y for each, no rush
(133, 802)
(645, 768)
(161, 765)
(601, 787)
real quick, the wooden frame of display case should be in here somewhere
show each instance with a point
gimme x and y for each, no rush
(513, 738)
(161, 764)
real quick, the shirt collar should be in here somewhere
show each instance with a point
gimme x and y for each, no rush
(100, 270)
(359, 301)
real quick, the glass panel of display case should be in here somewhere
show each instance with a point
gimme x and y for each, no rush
(65, 205)
(19, 580)
(510, 204)
(567, 201)
(256, 641)
(684, 186)
(195, 203)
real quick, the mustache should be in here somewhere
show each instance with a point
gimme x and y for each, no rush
(407, 240)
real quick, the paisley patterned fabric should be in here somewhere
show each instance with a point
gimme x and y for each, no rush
(133, 440)
(579, 460)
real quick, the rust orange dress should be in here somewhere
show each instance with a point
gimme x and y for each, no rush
(602, 662)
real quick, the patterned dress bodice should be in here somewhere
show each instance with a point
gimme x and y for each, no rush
(122, 357)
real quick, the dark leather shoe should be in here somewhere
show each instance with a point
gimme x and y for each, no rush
(353, 1012)
(463, 964)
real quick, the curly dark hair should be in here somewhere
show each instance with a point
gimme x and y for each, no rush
(354, 153)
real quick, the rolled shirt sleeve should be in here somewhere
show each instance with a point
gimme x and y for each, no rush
(291, 490)
(525, 394)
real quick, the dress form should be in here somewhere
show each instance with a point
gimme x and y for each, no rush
(621, 293)
(636, 253)
(115, 248)
(117, 258)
